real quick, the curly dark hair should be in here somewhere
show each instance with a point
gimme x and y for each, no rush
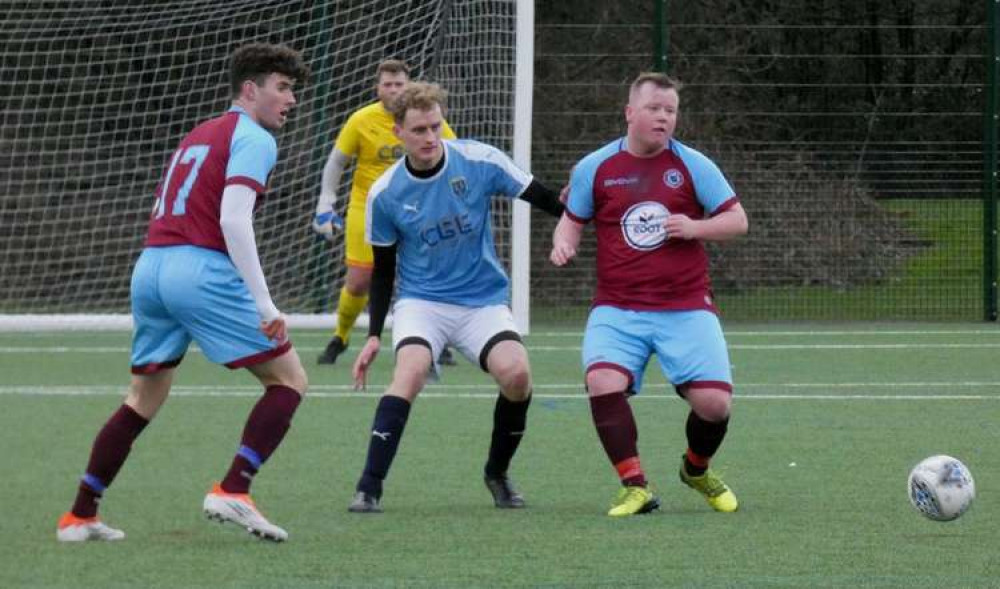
(256, 61)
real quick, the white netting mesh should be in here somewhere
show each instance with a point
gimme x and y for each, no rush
(97, 94)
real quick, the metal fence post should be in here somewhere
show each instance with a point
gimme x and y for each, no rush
(660, 38)
(990, 125)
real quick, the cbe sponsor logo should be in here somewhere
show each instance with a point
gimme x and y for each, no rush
(390, 153)
(445, 229)
(642, 225)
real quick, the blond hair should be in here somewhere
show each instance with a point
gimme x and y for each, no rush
(417, 96)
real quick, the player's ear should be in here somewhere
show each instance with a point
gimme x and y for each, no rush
(397, 131)
(250, 89)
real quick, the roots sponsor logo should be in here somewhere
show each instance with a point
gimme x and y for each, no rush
(642, 225)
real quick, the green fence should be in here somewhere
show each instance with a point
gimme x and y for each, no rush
(852, 131)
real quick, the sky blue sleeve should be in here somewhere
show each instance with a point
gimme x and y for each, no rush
(710, 186)
(252, 154)
(506, 178)
(580, 203)
(379, 226)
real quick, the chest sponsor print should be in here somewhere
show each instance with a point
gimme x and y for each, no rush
(642, 225)
(390, 153)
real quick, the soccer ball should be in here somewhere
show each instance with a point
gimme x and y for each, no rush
(941, 488)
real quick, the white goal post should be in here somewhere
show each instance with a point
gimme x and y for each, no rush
(520, 273)
(106, 90)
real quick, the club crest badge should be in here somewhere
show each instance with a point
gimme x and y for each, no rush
(673, 178)
(458, 186)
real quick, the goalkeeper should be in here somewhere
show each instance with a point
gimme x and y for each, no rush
(367, 137)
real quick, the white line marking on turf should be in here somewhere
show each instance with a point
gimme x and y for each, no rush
(531, 348)
(737, 333)
(62, 350)
(451, 391)
(805, 347)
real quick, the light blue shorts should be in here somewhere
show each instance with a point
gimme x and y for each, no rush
(689, 345)
(185, 292)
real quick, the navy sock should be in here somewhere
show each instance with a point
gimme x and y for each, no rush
(509, 420)
(387, 429)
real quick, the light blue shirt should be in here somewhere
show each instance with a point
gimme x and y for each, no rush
(253, 150)
(441, 225)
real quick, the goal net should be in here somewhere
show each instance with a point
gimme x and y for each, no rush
(104, 91)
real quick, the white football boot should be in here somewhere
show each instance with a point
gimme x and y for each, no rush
(239, 509)
(81, 529)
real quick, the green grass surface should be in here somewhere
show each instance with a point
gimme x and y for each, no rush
(827, 421)
(942, 282)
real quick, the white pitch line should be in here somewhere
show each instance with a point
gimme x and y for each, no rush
(737, 333)
(536, 386)
(443, 392)
(62, 350)
(956, 346)
(806, 347)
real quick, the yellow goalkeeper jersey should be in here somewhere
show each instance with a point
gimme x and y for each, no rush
(368, 136)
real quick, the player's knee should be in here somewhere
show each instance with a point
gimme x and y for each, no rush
(408, 379)
(300, 381)
(358, 281)
(508, 364)
(602, 382)
(712, 405)
(294, 378)
(516, 382)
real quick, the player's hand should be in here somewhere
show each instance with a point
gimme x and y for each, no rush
(325, 222)
(680, 227)
(562, 253)
(275, 329)
(564, 194)
(364, 360)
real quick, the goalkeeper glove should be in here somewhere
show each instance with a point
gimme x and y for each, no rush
(325, 222)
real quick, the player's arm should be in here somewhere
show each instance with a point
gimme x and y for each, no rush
(565, 240)
(544, 198)
(726, 219)
(379, 299)
(326, 219)
(731, 222)
(236, 221)
(579, 210)
(380, 292)
(510, 180)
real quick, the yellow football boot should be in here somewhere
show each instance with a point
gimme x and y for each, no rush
(633, 501)
(713, 489)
